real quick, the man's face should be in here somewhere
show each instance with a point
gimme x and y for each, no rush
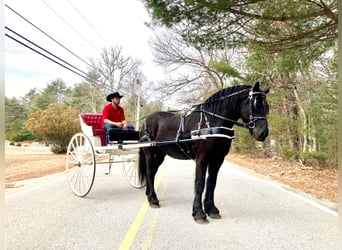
(116, 100)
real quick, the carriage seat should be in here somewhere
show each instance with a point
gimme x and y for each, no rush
(91, 126)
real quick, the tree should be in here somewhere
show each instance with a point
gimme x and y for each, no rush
(114, 70)
(56, 125)
(192, 70)
(303, 102)
(55, 91)
(88, 96)
(111, 72)
(29, 98)
(16, 114)
(277, 25)
(14, 111)
(323, 110)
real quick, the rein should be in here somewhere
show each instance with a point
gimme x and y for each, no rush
(240, 124)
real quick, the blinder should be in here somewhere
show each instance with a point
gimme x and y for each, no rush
(253, 104)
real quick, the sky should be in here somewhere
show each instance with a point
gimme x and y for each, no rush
(108, 23)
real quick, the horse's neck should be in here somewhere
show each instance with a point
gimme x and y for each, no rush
(223, 117)
(208, 118)
(217, 122)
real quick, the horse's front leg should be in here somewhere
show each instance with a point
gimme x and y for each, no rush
(197, 209)
(209, 204)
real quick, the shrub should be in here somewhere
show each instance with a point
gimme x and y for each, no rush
(22, 137)
(57, 149)
(18, 132)
(315, 159)
(289, 154)
(56, 125)
(244, 142)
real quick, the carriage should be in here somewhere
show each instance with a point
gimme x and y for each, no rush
(88, 149)
(203, 133)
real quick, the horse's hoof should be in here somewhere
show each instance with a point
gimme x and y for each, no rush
(212, 212)
(215, 216)
(201, 220)
(154, 205)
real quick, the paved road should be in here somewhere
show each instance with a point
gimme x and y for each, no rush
(256, 214)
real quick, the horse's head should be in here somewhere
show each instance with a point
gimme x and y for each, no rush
(254, 112)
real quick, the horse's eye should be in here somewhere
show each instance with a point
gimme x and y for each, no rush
(267, 108)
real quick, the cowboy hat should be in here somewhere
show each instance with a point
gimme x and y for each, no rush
(112, 95)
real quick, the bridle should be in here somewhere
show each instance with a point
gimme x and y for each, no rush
(252, 119)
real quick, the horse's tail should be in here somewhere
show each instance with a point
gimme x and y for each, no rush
(142, 166)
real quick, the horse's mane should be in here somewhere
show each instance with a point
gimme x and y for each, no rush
(224, 99)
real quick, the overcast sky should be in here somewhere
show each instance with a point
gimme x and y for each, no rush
(116, 22)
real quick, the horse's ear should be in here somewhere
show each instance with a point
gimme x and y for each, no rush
(256, 87)
(267, 90)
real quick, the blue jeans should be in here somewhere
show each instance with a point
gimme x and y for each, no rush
(107, 127)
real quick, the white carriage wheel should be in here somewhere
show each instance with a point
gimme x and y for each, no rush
(80, 164)
(130, 169)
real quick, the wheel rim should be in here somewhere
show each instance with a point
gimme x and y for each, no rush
(131, 171)
(80, 164)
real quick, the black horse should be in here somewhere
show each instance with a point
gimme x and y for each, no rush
(171, 133)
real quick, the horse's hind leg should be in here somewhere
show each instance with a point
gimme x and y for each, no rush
(209, 204)
(197, 210)
(154, 158)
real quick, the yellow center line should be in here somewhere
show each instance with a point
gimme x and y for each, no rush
(128, 240)
(149, 235)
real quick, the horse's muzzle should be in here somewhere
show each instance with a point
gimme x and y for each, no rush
(262, 136)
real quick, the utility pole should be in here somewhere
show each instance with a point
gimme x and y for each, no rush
(137, 118)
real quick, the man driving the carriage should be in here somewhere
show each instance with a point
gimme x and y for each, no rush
(114, 121)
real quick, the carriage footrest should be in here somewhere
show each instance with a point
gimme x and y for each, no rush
(121, 135)
(213, 132)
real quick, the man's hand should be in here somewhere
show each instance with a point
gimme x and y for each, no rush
(118, 124)
(122, 125)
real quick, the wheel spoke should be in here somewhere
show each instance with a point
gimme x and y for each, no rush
(130, 170)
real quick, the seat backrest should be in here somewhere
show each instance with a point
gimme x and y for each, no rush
(93, 120)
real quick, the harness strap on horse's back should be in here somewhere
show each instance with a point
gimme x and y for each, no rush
(203, 114)
(186, 151)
